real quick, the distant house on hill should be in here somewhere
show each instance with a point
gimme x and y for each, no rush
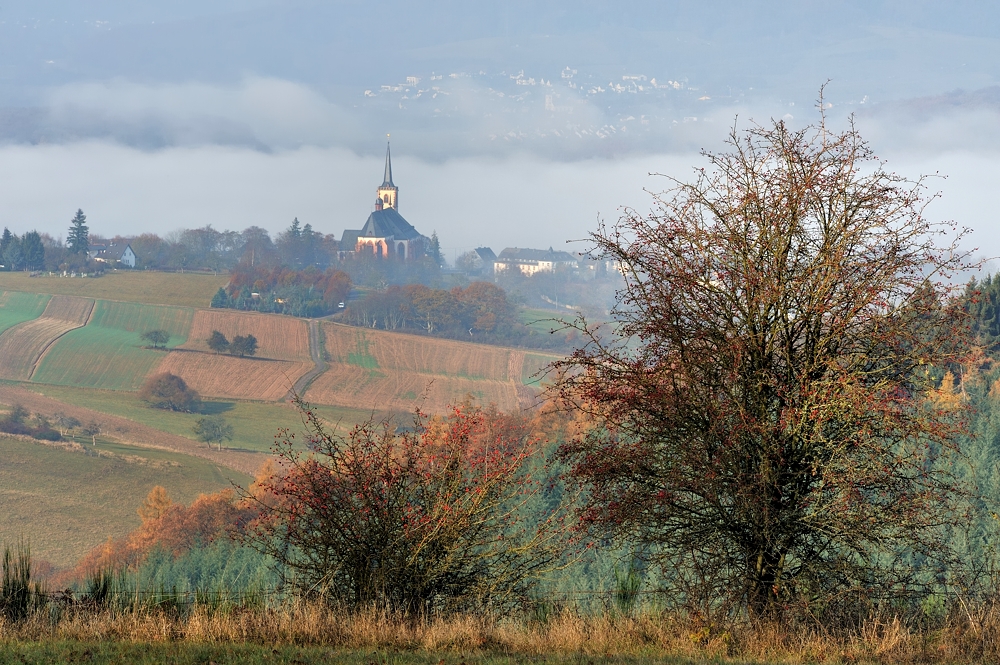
(386, 234)
(115, 253)
(531, 261)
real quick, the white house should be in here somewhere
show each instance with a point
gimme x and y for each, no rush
(117, 253)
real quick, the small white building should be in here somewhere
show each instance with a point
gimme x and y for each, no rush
(531, 261)
(117, 254)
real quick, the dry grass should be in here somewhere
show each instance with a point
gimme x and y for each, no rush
(228, 376)
(280, 337)
(22, 346)
(646, 638)
(153, 288)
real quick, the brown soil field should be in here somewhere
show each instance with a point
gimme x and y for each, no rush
(129, 431)
(280, 337)
(426, 355)
(22, 346)
(227, 376)
(359, 388)
(371, 369)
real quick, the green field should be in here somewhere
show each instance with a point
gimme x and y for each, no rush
(66, 502)
(108, 352)
(153, 288)
(17, 308)
(254, 423)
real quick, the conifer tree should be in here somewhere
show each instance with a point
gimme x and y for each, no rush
(33, 250)
(79, 234)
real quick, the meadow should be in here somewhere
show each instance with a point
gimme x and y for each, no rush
(153, 288)
(17, 308)
(67, 499)
(108, 352)
(254, 423)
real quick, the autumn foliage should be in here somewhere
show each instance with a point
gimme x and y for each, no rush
(172, 527)
(411, 520)
(766, 428)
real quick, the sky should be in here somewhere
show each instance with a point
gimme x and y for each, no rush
(512, 123)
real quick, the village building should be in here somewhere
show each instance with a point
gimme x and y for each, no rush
(386, 234)
(531, 261)
(113, 253)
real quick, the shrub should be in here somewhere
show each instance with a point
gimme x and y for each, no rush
(168, 391)
(412, 521)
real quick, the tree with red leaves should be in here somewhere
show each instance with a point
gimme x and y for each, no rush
(411, 521)
(767, 432)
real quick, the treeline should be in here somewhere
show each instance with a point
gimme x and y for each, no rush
(283, 290)
(481, 307)
(22, 253)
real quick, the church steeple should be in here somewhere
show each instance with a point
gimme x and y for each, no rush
(388, 167)
(387, 191)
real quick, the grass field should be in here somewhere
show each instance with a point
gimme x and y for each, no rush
(108, 352)
(280, 337)
(399, 371)
(254, 423)
(22, 346)
(154, 288)
(66, 502)
(18, 307)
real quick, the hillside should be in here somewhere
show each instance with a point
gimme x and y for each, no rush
(68, 499)
(153, 288)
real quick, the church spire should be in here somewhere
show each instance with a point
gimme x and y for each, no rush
(388, 167)
(387, 191)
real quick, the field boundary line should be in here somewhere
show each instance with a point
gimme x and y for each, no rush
(38, 360)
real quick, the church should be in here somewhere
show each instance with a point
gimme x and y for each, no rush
(386, 234)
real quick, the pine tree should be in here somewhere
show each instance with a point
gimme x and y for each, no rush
(79, 234)
(5, 240)
(434, 251)
(34, 251)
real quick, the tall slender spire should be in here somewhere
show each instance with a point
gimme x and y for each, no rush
(388, 168)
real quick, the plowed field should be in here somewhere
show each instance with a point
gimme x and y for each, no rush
(280, 337)
(375, 369)
(108, 352)
(227, 376)
(23, 345)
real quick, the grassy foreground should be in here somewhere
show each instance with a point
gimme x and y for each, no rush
(300, 632)
(182, 653)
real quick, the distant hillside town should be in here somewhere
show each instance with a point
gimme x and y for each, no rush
(305, 272)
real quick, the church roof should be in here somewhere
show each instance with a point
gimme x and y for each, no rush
(387, 182)
(387, 223)
(349, 240)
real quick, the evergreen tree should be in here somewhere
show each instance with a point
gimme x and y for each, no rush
(79, 234)
(13, 255)
(5, 241)
(434, 251)
(33, 250)
(221, 298)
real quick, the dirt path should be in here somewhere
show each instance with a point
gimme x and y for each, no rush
(132, 432)
(316, 353)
